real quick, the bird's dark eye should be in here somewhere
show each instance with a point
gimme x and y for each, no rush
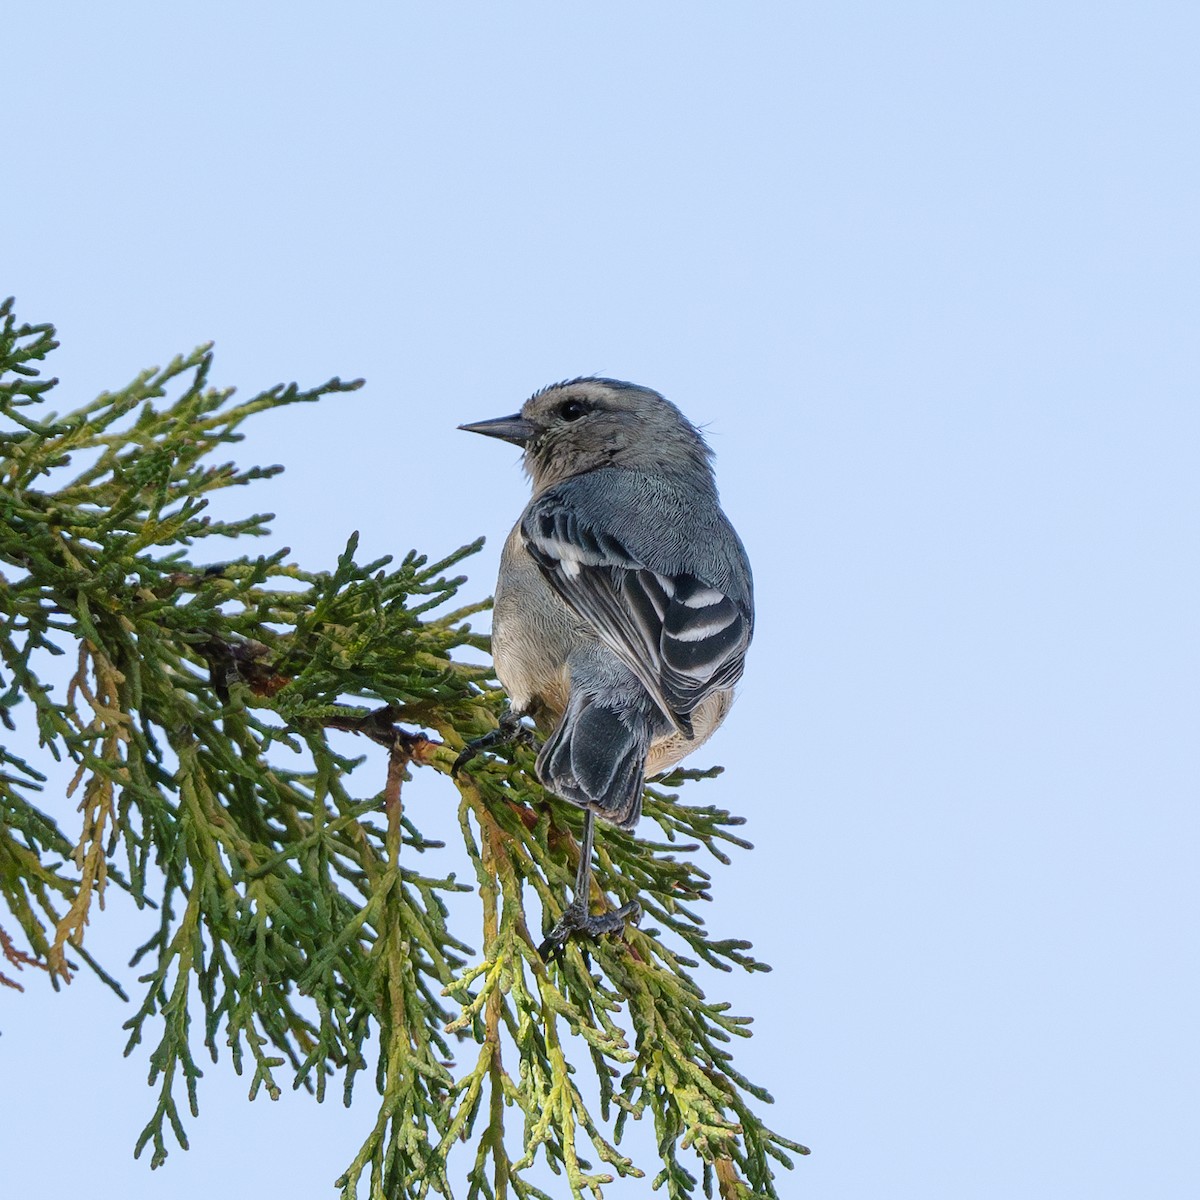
(572, 410)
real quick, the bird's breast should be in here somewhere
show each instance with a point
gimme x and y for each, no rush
(533, 632)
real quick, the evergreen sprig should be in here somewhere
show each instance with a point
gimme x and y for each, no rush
(294, 922)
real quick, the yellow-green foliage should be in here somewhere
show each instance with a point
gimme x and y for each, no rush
(294, 922)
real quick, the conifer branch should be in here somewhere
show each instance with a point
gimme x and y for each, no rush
(294, 922)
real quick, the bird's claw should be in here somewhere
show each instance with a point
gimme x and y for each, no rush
(578, 922)
(509, 731)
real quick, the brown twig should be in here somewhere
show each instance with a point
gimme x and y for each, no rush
(18, 958)
(380, 726)
(240, 662)
(402, 747)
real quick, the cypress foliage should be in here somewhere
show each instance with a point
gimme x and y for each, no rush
(296, 923)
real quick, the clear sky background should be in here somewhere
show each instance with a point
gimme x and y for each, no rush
(929, 276)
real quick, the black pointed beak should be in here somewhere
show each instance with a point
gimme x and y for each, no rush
(513, 429)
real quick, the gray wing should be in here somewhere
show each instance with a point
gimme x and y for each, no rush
(673, 604)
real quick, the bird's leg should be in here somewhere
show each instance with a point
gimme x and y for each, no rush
(577, 920)
(509, 730)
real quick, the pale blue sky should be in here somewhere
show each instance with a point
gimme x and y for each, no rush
(928, 273)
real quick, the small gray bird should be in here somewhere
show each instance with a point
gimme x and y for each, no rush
(624, 605)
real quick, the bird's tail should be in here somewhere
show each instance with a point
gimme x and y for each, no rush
(597, 759)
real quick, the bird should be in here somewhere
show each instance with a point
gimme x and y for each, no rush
(623, 609)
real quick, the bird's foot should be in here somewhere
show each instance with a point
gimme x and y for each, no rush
(578, 922)
(509, 730)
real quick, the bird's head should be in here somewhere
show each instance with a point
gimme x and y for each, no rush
(584, 424)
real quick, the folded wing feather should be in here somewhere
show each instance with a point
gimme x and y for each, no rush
(681, 636)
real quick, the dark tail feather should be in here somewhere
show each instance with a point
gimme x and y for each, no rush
(595, 760)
